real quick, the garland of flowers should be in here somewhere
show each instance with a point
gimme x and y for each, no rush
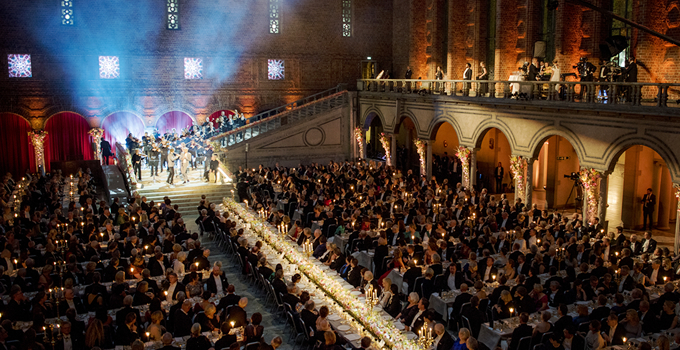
(385, 142)
(37, 138)
(359, 135)
(463, 153)
(517, 166)
(370, 323)
(589, 177)
(420, 148)
(676, 187)
(96, 134)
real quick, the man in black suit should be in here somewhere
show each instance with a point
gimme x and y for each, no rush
(487, 271)
(648, 203)
(369, 280)
(182, 320)
(411, 274)
(217, 281)
(613, 332)
(106, 150)
(172, 286)
(419, 318)
(127, 333)
(648, 319)
(463, 298)
(354, 275)
(157, 265)
(564, 319)
(68, 340)
(167, 340)
(523, 301)
(308, 315)
(520, 332)
(627, 282)
(18, 307)
(475, 316)
(127, 308)
(498, 175)
(602, 310)
(452, 278)
(443, 340)
(290, 297)
(227, 339)
(237, 314)
(230, 299)
(648, 243)
(654, 274)
(71, 302)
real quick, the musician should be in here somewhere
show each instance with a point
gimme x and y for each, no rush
(132, 143)
(172, 157)
(106, 150)
(164, 153)
(185, 159)
(137, 164)
(154, 158)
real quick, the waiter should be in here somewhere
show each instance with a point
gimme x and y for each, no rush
(498, 174)
(648, 203)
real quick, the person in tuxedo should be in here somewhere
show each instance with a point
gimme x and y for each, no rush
(368, 279)
(524, 330)
(172, 287)
(230, 299)
(474, 315)
(68, 341)
(648, 243)
(217, 282)
(182, 320)
(467, 75)
(106, 151)
(627, 282)
(654, 273)
(443, 340)
(127, 308)
(157, 264)
(167, 340)
(613, 331)
(488, 272)
(409, 73)
(648, 203)
(237, 314)
(498, 175)
(411, 274)
(127, 333)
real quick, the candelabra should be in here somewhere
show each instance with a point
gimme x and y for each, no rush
(307, 248)
(283, 229)
(50, 337)
(560, 255)
(371, 296)
(425, 338)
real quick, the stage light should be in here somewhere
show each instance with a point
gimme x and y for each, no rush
(19, 66)
(109, 67)
(275, 69)
(193, 68)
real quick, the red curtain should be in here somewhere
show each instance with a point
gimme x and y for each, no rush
(67, 139)
(217, 114)
(173, 120)
(16, 151)
(118, 125)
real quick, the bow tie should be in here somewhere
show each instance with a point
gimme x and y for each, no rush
(67, 337)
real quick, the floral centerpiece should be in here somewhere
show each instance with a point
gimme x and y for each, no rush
(589, 177)
(359, 135)
(463, 153)
(37, 138)
(420, 148)
(385, 142)
(517, 166)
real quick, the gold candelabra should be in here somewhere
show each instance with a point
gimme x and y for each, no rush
(50, 337)
(308, 248)
(425, 339)
(371, 296)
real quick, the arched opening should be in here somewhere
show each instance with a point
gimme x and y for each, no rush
(374, 148)
(445, 164)
(407, 155)
(637, 169)
(553, 184)
(17, 152)
(494, 148)
(118, 125)
(173, 121)
(67, 138)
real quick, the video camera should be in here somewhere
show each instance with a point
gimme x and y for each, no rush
(573, 176)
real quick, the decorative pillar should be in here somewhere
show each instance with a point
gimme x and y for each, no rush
(385, 142)
(589, 179)
(663, 199)
(421, 148)
(393, 146)
(529, 183)
(676, 187)
(428, 161)
(96, 134)
(604, 195)
(37, 138)
(517, 168)
(359, 137)
(463, 153)
(473, 167)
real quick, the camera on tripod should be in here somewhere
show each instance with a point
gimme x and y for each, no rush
(573, 176)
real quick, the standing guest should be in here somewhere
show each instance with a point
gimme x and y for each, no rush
(483, 87)
(137, 165)
(648, 203)
(106, 150)
(172, 157)
(467, 75)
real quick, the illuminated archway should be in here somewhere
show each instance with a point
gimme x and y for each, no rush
(555, 161)
(118, 125)
(374, 149)
(444, 145)
(407, 156)
(213, 117)
(67, 138)
(493, 147)
(176, 120)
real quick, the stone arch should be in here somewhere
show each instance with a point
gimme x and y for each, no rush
(18, 115)
(118, 131)
(369, 114)
(615, 150)
(484, 127)
(413, 120)
(537, 141)
(437, 123)
(161, 112)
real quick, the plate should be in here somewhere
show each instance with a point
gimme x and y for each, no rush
(348, 286)
(333, 317)
(343, 328)
(399, 326)
(352, 337)
(355, 292)
(410, 336)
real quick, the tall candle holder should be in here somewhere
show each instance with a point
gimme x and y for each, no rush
(50, 337)
(371, 296)
(425, 339)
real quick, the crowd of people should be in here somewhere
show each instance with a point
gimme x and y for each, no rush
(115, 273)
(502, 258)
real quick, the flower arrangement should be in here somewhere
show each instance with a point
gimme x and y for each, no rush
(463, 153)
(96, 134)
(359, 135)
(369, 323)
(676, 187)
(420, 148)
(517, 166)
(37, 138)
(385, 142)
(589, 177)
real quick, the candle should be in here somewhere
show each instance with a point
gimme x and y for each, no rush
(232, 324)
(132, 270)
(147, 335)
(166, 293)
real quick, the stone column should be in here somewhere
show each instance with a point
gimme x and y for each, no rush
(676, 191)
(664, 199)
(428, 160)
(602, 203)
(393, 147)
(529, 183)
(473, 167)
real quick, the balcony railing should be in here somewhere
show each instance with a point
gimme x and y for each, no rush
(632, 94)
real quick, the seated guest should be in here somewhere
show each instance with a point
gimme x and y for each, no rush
(461, 342)
(217, 282)
(198, 341)
(406, 315)
(614, 332)
(182, 320)
(230, 299)
(291, 297)
(442, 340)
(505, 304)
(667, 318)
(594, 340)
(127, 333)
(237, 313)
(631, 324)
(208, 319)
(254, 331)
(227, 339)
(520, 332)
(167, 340)
(542, 327)
(329, 342)
(308, 315)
